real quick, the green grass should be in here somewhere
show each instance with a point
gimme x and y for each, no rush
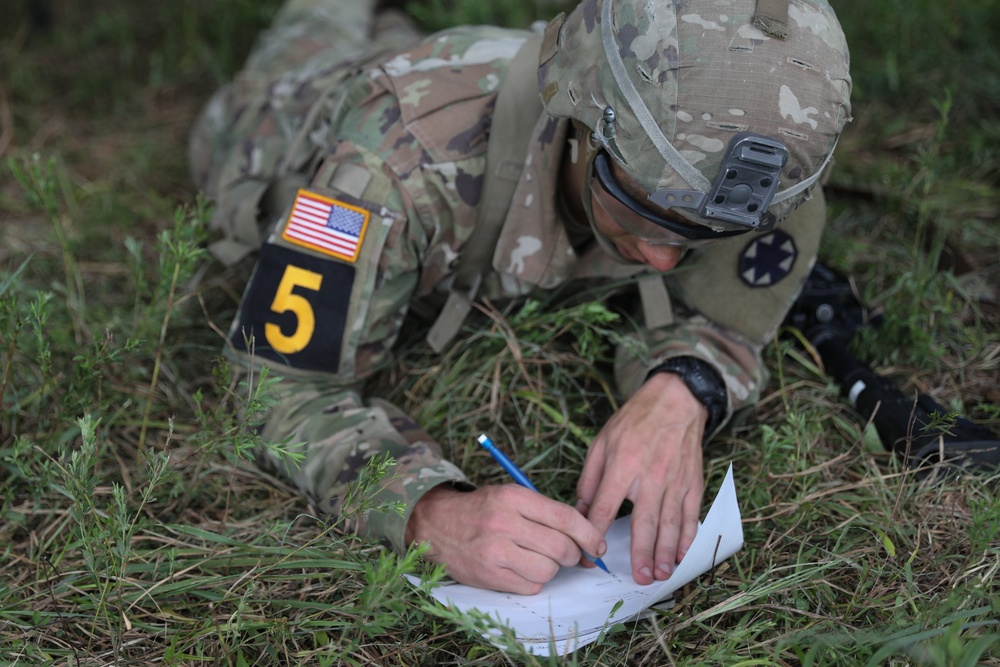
(134, 527)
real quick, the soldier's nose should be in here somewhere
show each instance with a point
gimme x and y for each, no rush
(661, 257)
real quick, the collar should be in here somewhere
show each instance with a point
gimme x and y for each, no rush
(534, 246)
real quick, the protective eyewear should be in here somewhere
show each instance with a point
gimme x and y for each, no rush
(643, 222)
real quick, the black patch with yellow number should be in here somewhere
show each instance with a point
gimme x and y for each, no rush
(295, 309)
(768, 259)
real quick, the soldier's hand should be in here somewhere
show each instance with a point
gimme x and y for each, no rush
(505, 538)
(650, 453)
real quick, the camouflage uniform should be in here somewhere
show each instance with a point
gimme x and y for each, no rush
(393, 142)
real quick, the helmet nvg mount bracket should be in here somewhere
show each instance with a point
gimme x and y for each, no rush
(743, 188)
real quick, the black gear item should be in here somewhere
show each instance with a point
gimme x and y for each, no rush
(919, 430)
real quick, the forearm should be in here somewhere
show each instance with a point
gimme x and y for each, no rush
(337, 434)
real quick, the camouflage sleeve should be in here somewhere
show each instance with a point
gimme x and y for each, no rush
(320, 413)
(337, 434)
(283, 75)
(358, 308)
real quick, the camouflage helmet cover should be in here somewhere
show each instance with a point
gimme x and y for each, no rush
(684, 76)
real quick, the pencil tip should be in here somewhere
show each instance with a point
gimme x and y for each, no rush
(599, 563)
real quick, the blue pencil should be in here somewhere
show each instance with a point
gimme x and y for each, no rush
(522, 479)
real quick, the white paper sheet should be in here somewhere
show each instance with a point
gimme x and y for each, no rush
(572, 609)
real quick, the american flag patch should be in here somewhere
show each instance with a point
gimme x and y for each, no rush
(327, 225)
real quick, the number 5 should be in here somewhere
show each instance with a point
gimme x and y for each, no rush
(285, 301)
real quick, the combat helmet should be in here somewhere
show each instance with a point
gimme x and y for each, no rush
(672, 91)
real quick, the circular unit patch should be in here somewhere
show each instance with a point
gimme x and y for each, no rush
(768, 259)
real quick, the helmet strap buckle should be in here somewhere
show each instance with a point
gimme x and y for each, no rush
(606, 136)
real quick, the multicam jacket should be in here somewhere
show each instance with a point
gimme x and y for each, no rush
(387, 149)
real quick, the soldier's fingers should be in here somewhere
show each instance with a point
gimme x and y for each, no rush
(562, 532)
(509, 580)
(591, 475)
(614, 487)
(689, 522)
(534, 568)
(644, 527)
(668, 532)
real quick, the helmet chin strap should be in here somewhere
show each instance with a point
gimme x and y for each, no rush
(602, 239)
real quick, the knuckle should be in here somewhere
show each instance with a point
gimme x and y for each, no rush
(645, 522)
(530, 588)
(507, 492)
(671, 521)
(569, 553)
(602, 513)
(567, 516)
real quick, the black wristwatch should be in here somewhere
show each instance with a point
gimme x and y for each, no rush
(704, 383)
